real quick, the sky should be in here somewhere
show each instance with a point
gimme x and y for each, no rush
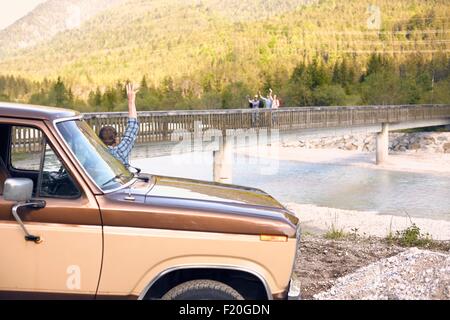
(12, 10)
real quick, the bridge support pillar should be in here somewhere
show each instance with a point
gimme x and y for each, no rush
(382, 144)
(223, 161)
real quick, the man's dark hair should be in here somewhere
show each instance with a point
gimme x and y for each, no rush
(108, 135)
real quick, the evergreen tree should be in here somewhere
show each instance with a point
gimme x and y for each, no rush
(91, 99)
(144, 85)
(59, 93)
(98, 98)
(317, 74)
(110, 99)
(70, 99)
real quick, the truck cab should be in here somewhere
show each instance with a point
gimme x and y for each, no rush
(75, 223)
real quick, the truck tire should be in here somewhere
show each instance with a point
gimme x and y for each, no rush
(202, 290)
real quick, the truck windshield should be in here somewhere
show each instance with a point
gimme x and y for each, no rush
(107, 172)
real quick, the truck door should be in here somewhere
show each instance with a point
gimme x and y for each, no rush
(66, 261)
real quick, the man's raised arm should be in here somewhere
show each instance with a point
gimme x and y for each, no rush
(130, 135)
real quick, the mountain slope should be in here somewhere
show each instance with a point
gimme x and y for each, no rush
(211, 42)
(48, 19)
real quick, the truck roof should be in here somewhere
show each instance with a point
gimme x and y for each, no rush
(29, 111)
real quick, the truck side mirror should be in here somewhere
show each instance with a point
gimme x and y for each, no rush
(18, 189)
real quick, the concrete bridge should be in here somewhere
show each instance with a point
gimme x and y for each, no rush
(161, 126)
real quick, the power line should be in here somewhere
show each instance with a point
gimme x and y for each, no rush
(299, 49)
(378, 32)
(234, 46)
(417, 18)
(395, 51)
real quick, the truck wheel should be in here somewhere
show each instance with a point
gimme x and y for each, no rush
(202, 290)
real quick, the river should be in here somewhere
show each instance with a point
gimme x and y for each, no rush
(327, 185)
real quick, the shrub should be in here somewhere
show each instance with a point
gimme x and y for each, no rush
(411, 237)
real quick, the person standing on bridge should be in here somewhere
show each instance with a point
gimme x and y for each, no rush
(275, 102)
(254, 104)
(275, 105)
(267, 100)
(109, 136)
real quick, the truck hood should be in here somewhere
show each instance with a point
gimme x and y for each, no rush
(194, 205)
(210, 191)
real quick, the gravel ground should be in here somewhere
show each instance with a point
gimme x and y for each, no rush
(370, 268)
(412, 274)
(321, 261)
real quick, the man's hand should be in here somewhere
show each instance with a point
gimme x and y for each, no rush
(131, 93)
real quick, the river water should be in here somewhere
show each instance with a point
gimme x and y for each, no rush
(335, 186)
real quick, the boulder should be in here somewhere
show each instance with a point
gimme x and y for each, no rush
(351, 146)
(446, 147)
(414, 146)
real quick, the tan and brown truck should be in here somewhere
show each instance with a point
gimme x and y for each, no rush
(75, 223)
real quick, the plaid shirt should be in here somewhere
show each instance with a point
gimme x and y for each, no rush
(123, 149)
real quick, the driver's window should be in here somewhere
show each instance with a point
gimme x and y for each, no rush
(26, 148)
(55, 181)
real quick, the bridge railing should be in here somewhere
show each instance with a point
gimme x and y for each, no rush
(156, 126)
(160, 125)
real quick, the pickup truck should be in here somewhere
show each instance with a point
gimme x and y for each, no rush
(77, 224)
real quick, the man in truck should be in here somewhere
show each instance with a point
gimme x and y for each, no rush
(109, 137)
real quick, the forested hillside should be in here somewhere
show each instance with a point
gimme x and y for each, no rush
(47, 20)
(211, 54)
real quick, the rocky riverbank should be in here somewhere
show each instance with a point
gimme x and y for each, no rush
(429, 142)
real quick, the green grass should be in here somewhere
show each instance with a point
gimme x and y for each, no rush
(335, 234)
(414, 237)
